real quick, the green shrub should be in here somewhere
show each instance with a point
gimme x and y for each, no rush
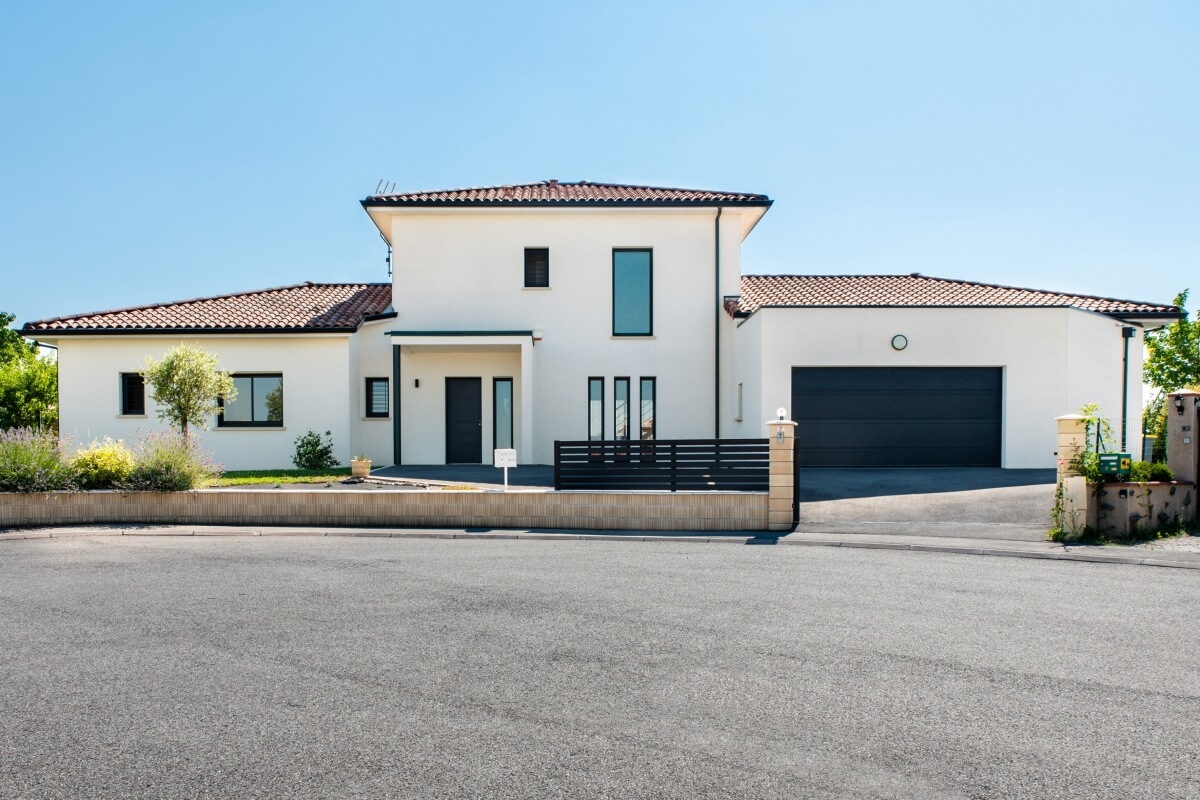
(313, 453)
(1142, 471)
(164, 461)
(103, 465)
(33, 461)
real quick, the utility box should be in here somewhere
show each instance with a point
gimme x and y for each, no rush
(1115, 464)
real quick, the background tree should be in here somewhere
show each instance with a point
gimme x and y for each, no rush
(186, 385)
(1173, 352)
(28, 382)
(1172, 363)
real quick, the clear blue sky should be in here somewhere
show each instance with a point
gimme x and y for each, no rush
(157, 151)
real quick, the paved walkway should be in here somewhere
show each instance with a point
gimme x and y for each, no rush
(1146, 555)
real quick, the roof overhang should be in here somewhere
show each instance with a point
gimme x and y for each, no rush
(749, 213)
(432, 341)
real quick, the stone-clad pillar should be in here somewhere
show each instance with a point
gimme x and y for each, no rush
(1072, 434)
(1183, 452)
(781, 494)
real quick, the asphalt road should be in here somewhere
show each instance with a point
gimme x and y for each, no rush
(332, 667)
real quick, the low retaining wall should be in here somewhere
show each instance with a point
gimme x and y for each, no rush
(662, 511)
(1126, 507)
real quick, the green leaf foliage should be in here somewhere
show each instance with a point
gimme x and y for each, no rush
(312, 453)
(186, 385)
(103, 465)
(29, 393)
(1173, 352)
(13, 346)
(28, 382)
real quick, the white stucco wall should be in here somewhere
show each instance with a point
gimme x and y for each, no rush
(316, 380)
(423, 435)
(370, 357)
(1054, 360)
(460, 270)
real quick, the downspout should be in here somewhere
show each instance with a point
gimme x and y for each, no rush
(717, 325)
(1127, 333)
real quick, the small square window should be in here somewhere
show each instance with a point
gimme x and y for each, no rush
(133, 395)
(537, 267)
(377, 397)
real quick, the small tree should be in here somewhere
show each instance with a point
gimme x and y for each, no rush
(28, 382)
(1173, 352)
(187, 386)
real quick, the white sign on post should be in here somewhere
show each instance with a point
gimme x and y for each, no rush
(506, 458)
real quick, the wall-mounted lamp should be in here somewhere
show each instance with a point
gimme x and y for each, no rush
(1179, 404)
(416, 383)
(782, 412)
(899, 341)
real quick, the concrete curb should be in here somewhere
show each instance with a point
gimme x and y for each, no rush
(1063, 554)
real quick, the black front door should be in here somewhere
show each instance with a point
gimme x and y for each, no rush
(464, 421)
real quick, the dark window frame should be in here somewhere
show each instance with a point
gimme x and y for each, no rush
(649, 251)
(126, 411)
(223, 423)
(617, 383)
(369, 410)
(512, 431)
(592, 380)
(532, 272)
(653, 381)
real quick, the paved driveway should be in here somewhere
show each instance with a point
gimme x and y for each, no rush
(991, 503)
(319, 668)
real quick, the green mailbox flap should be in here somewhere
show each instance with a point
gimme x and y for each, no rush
(1115, 463)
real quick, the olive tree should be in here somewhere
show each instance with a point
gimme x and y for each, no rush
(187, 386)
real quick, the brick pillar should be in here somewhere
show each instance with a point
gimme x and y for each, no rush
(1183, 453)
(781, 493)
(1070, 443)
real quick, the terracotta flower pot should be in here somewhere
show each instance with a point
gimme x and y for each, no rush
(360, 469)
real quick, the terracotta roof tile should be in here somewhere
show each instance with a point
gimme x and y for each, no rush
(918, 291)
(567, 194)
(300, 308)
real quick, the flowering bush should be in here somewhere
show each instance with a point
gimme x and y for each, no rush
(103, 465)
(33, 461)
(164, 461)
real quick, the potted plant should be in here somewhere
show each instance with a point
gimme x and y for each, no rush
(360, 466)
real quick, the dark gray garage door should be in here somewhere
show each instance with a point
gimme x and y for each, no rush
(897, 416)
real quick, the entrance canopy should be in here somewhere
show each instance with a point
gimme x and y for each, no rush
(428, 344)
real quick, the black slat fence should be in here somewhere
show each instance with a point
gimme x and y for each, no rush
(669, 465)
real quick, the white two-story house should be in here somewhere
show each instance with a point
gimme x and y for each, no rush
(520, 315)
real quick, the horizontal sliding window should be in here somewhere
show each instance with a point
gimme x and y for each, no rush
(259, 402)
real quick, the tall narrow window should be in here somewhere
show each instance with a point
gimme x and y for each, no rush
(537, 267)
(259, 403)
(620, 408)
(595, 409)
(502, 413)
(632, 293)
(648, 414)
(133, 395)
(377, 397)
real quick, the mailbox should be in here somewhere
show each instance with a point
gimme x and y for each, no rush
(1115, 464)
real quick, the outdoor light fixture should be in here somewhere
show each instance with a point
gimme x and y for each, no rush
(899, 341)
(782, 412)
(1179, 404)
